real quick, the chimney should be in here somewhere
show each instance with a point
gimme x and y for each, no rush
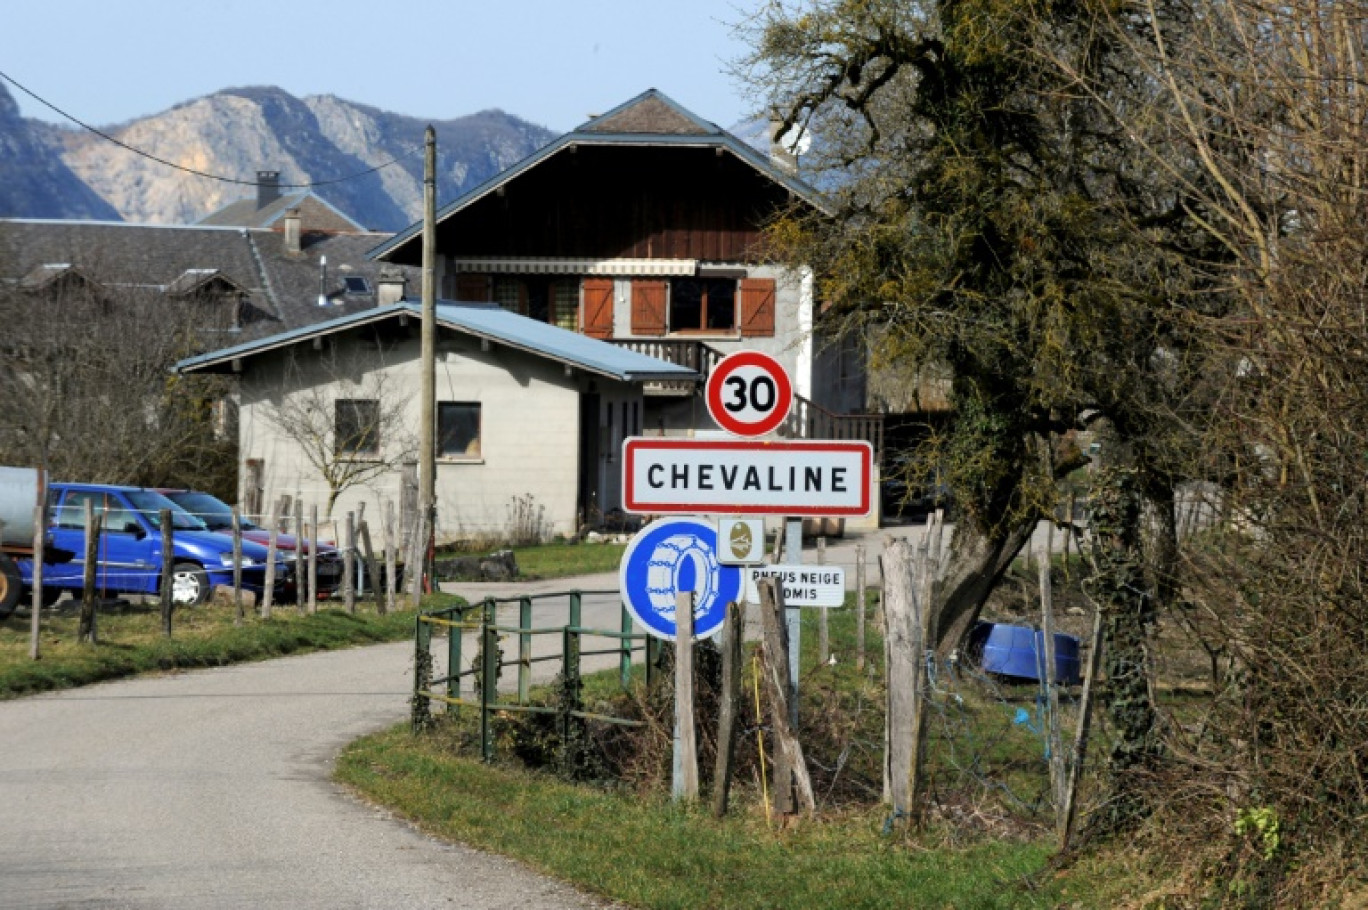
(293, 238)
(780, 156)
(390, 288)
(268, 188)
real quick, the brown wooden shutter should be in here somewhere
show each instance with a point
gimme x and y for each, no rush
(471, 286)
(757, 307)
(598, 307)
(648, 307)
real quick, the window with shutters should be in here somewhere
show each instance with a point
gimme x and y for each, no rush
(553, 300)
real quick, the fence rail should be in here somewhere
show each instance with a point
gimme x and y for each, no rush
(481, 619)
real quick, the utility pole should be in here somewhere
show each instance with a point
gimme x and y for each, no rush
(427, 454)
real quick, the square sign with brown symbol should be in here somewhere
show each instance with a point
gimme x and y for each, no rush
(741, 541)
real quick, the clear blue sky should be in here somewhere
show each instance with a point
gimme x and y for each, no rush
(548, 61)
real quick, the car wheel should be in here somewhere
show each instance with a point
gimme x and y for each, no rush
(11, 586)
(189, 585)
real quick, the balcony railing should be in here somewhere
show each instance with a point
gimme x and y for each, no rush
(808, 420)
(695, 355)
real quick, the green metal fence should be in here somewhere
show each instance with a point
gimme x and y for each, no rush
(482, 619)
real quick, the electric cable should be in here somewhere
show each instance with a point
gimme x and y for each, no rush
(189, 170)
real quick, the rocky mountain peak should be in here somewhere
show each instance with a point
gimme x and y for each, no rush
(238, 131)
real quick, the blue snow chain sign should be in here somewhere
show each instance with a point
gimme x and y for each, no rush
(673, 555)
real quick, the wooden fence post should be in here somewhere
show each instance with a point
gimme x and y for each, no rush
(313, 558)
(168, 575)
(237, 567)
(414, 561)
(1080, 745)
(368, 556)
(792, 785)
(301, 542)
(391, 561)
(39, 542)
(860, 607)
(733, 628)
(86, 628)
(686, 739)
(349, 565)
(902, 670)
(272, 545)
(1049, 680)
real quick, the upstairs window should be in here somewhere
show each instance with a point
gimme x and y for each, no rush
(702, 305)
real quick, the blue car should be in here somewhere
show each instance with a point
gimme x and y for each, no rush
(130, 546)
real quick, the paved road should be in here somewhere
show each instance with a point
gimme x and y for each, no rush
(211, 789)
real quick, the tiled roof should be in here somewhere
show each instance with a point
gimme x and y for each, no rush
(282, 285)
(650, 113)
(316, 214)
(481, 320)
(651, 118)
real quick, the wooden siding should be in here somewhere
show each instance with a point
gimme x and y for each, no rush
(622, 202)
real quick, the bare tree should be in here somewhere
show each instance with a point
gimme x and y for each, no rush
(85, 376)
(345, 415)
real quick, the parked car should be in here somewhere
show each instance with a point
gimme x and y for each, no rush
(130, 546)
(218, 515)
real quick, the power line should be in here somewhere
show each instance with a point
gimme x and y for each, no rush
(189, 170)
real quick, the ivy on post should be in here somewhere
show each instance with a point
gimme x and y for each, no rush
(421, 713)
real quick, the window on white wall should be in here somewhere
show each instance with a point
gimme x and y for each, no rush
(458, 429)
(356, 426)
(702, 304)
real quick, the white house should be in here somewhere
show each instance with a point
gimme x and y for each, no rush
(530, 417)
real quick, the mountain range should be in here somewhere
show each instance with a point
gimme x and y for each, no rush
(343, 148)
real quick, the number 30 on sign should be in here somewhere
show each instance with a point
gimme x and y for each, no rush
(749, 393)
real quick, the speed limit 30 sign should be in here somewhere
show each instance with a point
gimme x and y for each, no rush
(749, 393)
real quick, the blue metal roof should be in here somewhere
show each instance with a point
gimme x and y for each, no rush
(710, 135)
(482, 320)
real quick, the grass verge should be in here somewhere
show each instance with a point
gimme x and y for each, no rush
(647, 853)
(628, 845)
(559, 560)
(131, 642)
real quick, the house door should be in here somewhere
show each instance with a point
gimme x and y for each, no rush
(590, 494)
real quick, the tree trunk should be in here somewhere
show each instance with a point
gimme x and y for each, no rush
(975, 565)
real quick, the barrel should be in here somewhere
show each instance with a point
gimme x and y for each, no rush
(1016, 651)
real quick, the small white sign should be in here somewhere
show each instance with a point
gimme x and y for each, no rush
(804, 586)
(740, 541)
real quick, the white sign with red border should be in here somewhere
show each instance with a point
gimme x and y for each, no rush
(749, 393)
(663, 475)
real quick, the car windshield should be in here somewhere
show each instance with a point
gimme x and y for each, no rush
(214, 512)
(150, 505)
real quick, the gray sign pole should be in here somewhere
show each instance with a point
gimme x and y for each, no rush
(793, 556)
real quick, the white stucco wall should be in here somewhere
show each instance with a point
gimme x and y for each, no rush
(529, 430)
